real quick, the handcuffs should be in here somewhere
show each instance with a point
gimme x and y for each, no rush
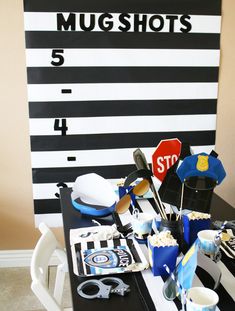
(104, 290)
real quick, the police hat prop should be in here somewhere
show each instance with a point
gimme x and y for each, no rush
(201, 165)
(93, 195)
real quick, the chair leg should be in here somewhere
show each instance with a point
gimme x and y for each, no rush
(59, 283)
(44, 297)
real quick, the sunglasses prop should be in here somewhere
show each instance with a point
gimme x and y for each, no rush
(124, 203)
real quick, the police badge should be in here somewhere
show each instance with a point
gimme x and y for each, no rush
(202, 163)
(108, 258)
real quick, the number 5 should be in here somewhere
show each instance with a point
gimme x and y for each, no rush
(57, 54)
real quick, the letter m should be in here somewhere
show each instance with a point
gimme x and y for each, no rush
(70, 22)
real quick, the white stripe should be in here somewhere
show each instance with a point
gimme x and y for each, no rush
(109, 243)
(51, 220)
(125, 57)
(129, 124)
(102, 157)
(143, 257)
(96, 244)
(147, 207)
(121, 91)
(227, 279)
(123, 242)
(40, 21)
(125, 218)
(206, 149)
(154, 283)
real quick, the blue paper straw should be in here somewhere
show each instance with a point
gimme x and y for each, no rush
(177, 284)
(173, 277)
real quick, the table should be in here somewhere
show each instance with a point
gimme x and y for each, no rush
(146, 290)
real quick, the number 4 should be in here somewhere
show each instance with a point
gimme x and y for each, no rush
(63, 128)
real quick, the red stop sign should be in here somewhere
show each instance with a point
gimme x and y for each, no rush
(165, 155)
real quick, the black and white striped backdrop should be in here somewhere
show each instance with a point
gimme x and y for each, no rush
(106, 77)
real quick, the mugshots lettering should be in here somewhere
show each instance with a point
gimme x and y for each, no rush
(122, 22)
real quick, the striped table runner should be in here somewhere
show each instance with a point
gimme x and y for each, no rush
(152, 286)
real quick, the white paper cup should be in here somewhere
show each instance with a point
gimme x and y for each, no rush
(207, 241)
(142, 225)
(201, 299)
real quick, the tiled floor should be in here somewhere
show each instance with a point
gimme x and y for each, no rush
(16, 294)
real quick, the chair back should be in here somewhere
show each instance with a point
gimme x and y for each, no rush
(47, 246)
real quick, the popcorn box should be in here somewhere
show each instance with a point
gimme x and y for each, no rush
(160, 255)
(192, 227)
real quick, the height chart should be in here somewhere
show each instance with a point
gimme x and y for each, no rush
(106, 77)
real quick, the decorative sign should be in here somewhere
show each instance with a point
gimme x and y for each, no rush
(106, 77)
(165, 155)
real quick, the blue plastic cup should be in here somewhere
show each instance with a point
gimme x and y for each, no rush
(207, 242)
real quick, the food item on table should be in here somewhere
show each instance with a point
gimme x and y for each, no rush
(197, 215)
(163, 238)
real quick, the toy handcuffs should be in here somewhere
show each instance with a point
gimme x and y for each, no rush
(104, 289)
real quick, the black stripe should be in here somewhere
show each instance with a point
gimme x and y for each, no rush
(133, 250)
(117, 220)
(117, 140)
(54, 175)
(47, 206)
(143, 292)
(146, 40)
(79, 259)
(77, 247)
(225, 300)
(121, 108)
(116, 243)
(208, 7)
(103, 244)
(46, 75)
(229, 263)
(90, 245)
(131, 208)
(65, 91)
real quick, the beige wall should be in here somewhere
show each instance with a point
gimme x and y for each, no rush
(16, 208)
(225, 135)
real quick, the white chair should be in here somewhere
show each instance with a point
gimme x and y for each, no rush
(47, 246)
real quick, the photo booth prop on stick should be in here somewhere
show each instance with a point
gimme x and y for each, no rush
(106, 77)
(200, 173)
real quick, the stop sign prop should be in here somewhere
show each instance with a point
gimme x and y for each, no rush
(165, 155)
